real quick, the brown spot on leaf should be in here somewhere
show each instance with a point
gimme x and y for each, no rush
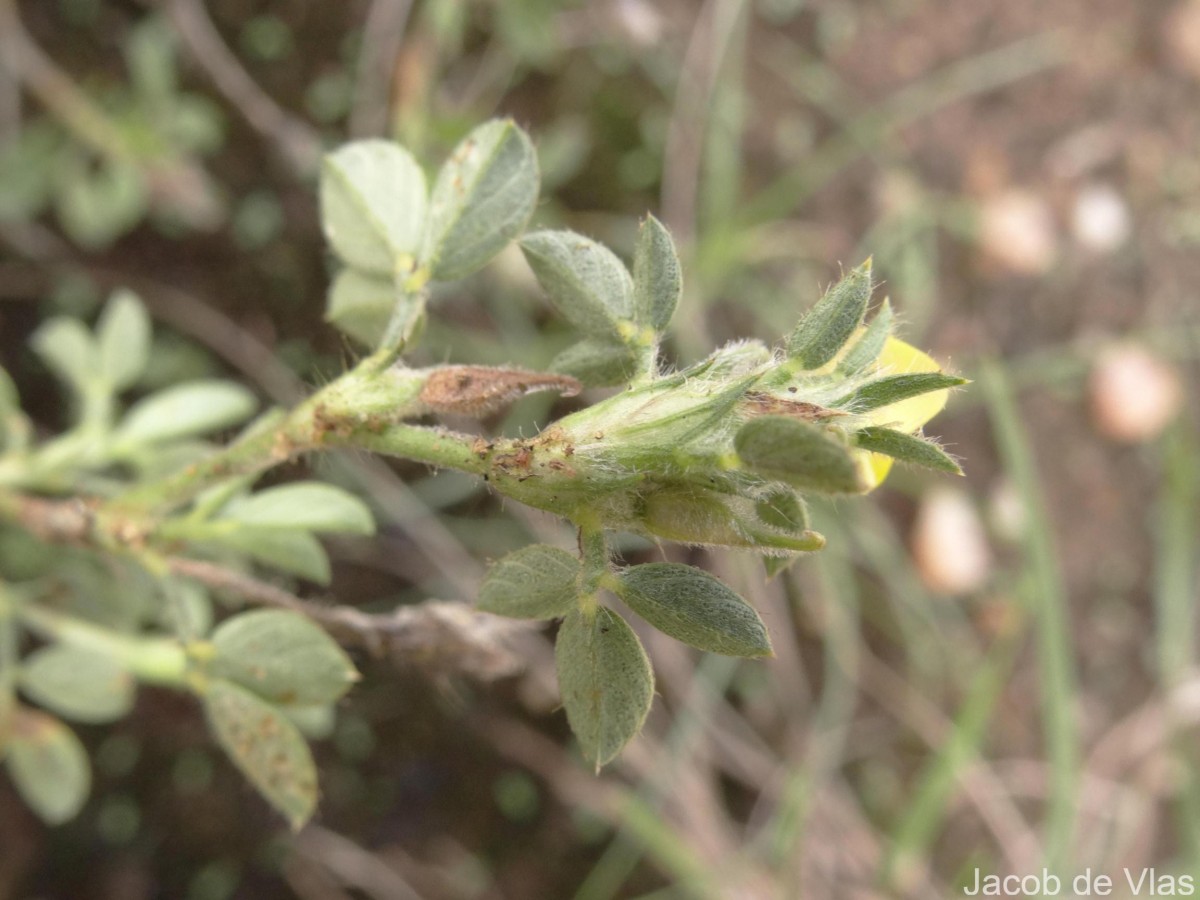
(758, 403)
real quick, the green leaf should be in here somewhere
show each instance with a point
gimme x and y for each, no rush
(597, 362)
(907, 448)
(800, 453)
(288, 549)
(826, 327)
(78, 684)
(68, 349)
(894, 388)
(185, 410)
(96, 208)
(282, 657)
(694, 607)
(870, 343)
(150, 56)
(657, 275)
(482, 199)
(535, 582)
(123, 337)
(266, 746)
(309, 506)
(783, 510)
(361, 305)
(373, 205)
(606, 682)
(49, 766)
(584, 280)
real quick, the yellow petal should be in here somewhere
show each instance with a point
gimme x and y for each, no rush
(899, 358)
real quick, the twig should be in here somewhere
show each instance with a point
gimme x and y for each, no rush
(383, 33)
(439, 635)
(295, 140)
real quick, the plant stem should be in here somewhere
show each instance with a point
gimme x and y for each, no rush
(154, 660)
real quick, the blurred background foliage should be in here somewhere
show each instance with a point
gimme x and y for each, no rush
(996, 672)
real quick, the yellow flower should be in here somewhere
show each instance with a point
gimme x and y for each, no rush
(899, 358)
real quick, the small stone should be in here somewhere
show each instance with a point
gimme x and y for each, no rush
(1017, 232)
(949, 546)
(1100, 220)
(1134, 395)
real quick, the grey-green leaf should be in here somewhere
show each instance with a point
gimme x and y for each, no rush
(373, 205)
(282, 657)
(584, 280)
(68, 349)
(870, 343)
(826, 327)
(288, 549)
(123, 337)
(657, 275)
(535, 582)
(606, 682)
(694, 607)
(49, 766)
(78, 684)
(907, 448)
(482, 199)
(800, 453)
(360, 304)
(310, 505)
(894, 388)
(266, 746)
(597, 362)
(185, 410)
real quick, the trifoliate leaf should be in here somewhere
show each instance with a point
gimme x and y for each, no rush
(800, 453)
(185, 410)
(373, 205)
(266, 746)
(309, 506)
(48, 765)
(606, 682)
(123, 339)
(583, 279)
(78, 684)
(694, 607)
(482, 199)
(826, 327)
(282, 657)
(657, 276)
(894, 388)
(906, 448)
(535, 582)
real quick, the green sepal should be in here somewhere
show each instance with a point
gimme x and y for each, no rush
(694, 607)
(825, 328)
(894, 388)
(907, 448)
(535, 582)
(783, 510)
(606, 681)
(870, 343)
(804, 455)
